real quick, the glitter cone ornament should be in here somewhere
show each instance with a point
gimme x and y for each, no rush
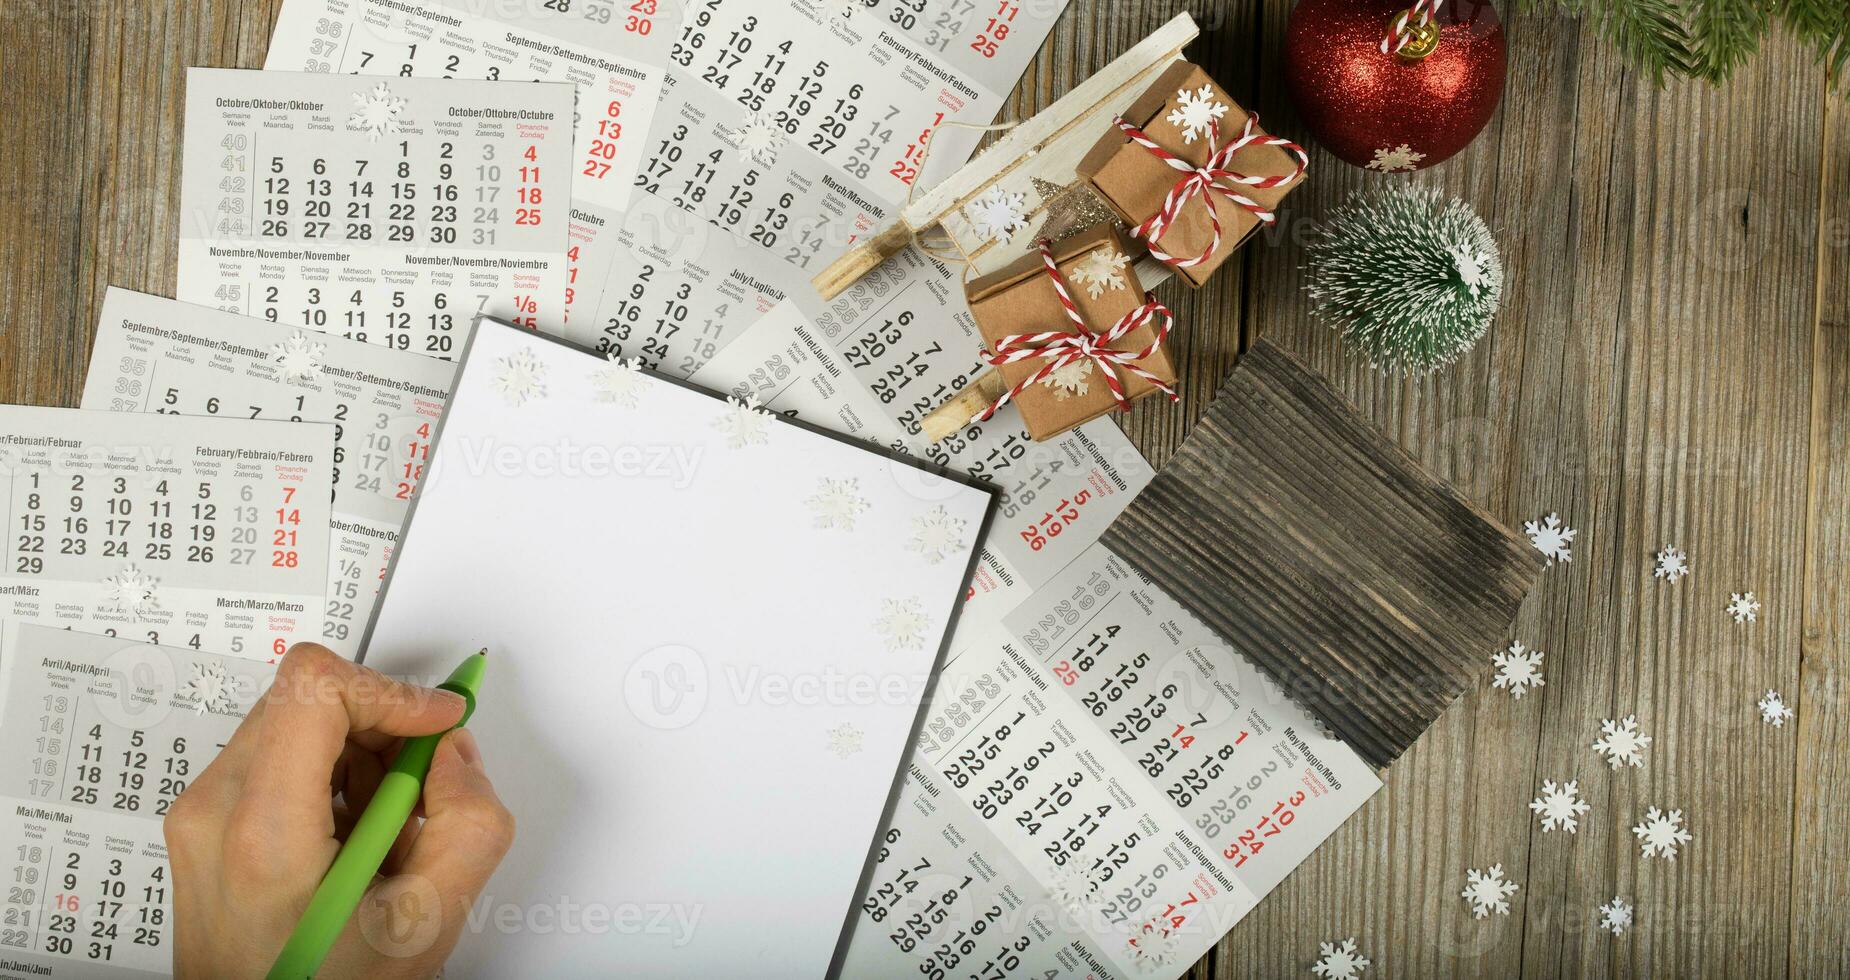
(1394, 88)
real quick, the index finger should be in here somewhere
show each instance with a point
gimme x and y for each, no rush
(316, 701)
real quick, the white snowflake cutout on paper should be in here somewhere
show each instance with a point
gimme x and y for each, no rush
(1661, 833)
(1743, 607)
(745, 423)
(298, 358)
(131, 590)
(1615, 915)
(1101, 269)
(1488, 892)
(1551, 538)
(901, 624)
(1339, 961)
(759, 138)
(1622, 742)
(997, 214)
(522, 377)
(619, 381)
(936, 535)
(1518, 669)
(1156, 952)
(1560, 806)
(837, 503)
(1392, 159)
(1672, 565)
(1068, 380)
(210, 688)
(845, 740)
(1196, 112)
(1071, 888)
(377, 112)
(1773, 709)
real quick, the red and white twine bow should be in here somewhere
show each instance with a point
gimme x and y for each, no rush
(1212, 177)
(1060, 348)
(1398, 36)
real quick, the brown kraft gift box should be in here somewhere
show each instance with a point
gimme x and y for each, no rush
(1134, 181)
(1020, 299)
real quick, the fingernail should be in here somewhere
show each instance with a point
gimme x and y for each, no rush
(452, 698)
(464, 740)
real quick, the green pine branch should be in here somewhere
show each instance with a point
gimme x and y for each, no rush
(1709, 39)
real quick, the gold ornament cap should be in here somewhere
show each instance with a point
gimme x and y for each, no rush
(1425, 36)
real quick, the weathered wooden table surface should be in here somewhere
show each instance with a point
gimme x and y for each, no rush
(1671, 366)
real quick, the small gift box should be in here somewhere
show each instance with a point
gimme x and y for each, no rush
(1072, 332)
(1192, 171)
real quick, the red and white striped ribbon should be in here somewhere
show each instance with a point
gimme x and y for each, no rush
(1062, 347)
(1212, 177)
(1398, 36)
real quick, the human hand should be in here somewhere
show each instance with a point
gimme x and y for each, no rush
(251, 838)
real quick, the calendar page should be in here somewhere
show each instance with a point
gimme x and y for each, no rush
(106, 733)
(159, 355)
(390, 211)
(205, 533)
(728, 149)
(876, 360)
(1102, 788)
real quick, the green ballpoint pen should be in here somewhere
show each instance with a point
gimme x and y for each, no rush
(372, 837)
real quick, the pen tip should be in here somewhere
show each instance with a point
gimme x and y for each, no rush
(483, 652)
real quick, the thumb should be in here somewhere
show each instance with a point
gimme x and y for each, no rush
(420, 912)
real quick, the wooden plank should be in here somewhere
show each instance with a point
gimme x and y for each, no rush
(1819, 943)
(1314, 545)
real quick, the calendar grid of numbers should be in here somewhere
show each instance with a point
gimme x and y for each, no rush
(389, 211)
(105, 734)
(205, 533)
(1100, 788)
(158, 355)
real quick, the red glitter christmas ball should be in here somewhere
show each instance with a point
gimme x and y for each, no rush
(1393, 111)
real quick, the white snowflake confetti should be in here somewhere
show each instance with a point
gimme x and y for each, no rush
(298, 358)
(377, 112)
(1339, 961)
(1773, 709)
(902, 624)
(1551, 538)
(1391, 159)
(131, 590)
(1071, 888)
(1101, 269)
(1560, 806)
(1660, 834)
(997, 214)
(1488, 892)
(759, 137)
(1475, 269)
(1156, 952)
(845, 740)
(1743, 607)
(936, 535)
(619, 381)
(209, 688)
(1068, 380)
(1196, 113)
(746, 423)
(837, 503)
(522, 378)
(1622, 742)
(1672, 565)
(1518, 669)
(1615, 915)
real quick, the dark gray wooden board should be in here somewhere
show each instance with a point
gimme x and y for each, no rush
(1366, 587)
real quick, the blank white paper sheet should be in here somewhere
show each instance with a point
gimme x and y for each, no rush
(709, 631)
